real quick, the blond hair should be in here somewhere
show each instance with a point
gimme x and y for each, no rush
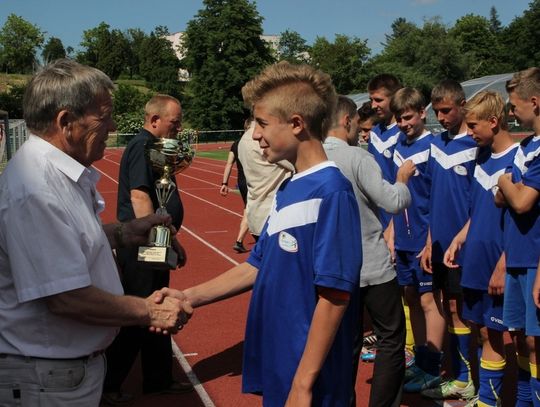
(525, 83)
(487, 104)
(295, 89)
(407, 99)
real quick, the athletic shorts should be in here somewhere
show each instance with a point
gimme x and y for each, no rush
(483, 309)
(519, 310)
(409, 272)
(446, 279)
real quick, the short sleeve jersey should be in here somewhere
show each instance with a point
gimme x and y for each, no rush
(382, 141)
(135, 173)
(522, 232)
(311, 239)
(484, 244)
(450, 171)
(411, 225)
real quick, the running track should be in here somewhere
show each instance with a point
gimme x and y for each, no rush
(209, 348)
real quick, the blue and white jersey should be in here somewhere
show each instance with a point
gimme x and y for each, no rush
(311, 239)
(522, 232)
(382, 141)
(450, 170)
(411, 225)
(484, 244)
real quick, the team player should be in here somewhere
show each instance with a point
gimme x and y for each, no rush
(410, 234)
(481, 244)
(520, 191)
(366, 120)
(384, 135)
(450, 168)
(304, 269)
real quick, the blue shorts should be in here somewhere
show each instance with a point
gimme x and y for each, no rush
(519, 311)
(409, 272)
(483, 309)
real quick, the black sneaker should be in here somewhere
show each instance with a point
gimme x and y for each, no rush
(239, 247)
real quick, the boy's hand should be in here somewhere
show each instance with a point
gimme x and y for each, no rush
(406, 171)
(224, 190)
(496, 282)
(450, 255)
(299, 397)
(425, 259)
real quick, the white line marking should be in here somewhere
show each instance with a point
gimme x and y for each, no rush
(211, 203)
(199, 388)
(214, 248)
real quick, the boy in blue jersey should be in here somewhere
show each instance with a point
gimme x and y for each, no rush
(520, 190)
(450, 170)
(384, 134)
(481, 244)
(304, 270)
(410, 234)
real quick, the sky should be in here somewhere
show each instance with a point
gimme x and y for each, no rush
(67, 19)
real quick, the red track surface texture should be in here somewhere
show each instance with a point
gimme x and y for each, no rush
(210, 346)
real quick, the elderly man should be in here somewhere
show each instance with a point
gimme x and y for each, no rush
(62, 300)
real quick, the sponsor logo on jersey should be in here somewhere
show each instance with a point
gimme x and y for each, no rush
(288, 242)
(460, 170)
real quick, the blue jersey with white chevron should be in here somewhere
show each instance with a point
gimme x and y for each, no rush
(311, 239)
(484, 244)
(450, 170)
(382, 142)
(411, 225)
(522, 232)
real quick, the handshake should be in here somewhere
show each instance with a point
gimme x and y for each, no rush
(168, 310)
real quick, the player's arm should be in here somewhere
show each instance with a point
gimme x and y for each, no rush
(425, 255)
(324, 325)
(228, 284)
(224, 190)
(520, 197)
(496, 282)
(451, 253)
(389, 238)
(536, 288)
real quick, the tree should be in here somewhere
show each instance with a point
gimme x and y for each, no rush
(342, 60)
(521, 39)
(105, 49)
(53, 49)
(292, 48)
(494, 23)
(158, 63)
(19, 41)
(223, 50)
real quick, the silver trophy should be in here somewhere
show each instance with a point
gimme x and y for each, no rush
(167, 157)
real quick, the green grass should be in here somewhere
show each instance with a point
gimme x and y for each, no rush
(215, 154)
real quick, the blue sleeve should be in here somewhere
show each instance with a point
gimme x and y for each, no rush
(338, 243)
(256, 254)
(532, 177)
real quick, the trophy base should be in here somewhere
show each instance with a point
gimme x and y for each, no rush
(160, 258)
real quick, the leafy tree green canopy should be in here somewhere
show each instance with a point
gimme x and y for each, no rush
(19, 42)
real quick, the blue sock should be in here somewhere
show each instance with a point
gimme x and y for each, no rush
(459, 351)
(491, 377)
(523, 393)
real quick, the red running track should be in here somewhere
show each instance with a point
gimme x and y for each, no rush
(209, 348)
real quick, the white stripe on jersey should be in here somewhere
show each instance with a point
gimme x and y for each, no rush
(521, 160)
(295, 215)
(487, 181)
(380, 145)
(448, 161)
(418, 158)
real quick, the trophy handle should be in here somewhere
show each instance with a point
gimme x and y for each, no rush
(160, 236)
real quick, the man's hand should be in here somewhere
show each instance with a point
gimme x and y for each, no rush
(406, 171)
(224, 190)
(168, 310)
(135, 232)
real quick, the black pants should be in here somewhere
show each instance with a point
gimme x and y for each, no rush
(156, 350)
(385, 308)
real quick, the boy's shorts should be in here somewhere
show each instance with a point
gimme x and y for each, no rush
(409, 272)
(483, 309)
(446, 279)
(519, 310)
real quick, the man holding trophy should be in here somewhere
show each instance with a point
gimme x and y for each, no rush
(146, 186)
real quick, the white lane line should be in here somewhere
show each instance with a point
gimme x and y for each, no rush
(199, 388)
(211, 203)
(214, 248)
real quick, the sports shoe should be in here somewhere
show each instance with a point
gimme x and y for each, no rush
(450, 390)
(472, 402)
(420, 381)
(239, 247)
(368, 354)
(117, 398)
(411, 372)
(370, 341)
(409, 358)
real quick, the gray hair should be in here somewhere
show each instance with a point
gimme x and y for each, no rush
(62, 84)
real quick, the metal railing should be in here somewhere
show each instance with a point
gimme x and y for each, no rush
(11, 140)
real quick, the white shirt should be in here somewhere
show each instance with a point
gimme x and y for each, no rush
(51, 241)
(262, 178)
